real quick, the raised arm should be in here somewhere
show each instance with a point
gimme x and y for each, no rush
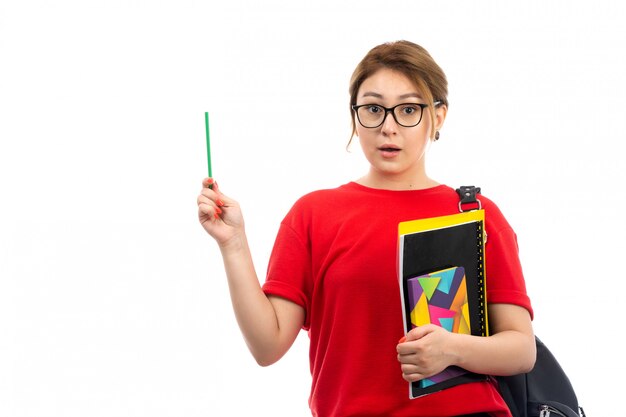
(269, 324)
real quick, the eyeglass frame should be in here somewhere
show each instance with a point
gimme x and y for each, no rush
(388, 110)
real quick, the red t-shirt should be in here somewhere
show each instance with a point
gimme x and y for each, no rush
(335, 255)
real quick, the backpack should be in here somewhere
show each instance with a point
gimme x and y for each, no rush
(545, 391)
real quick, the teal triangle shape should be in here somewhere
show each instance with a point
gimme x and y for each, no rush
(426, 383)
(447, 323)
(446, 280)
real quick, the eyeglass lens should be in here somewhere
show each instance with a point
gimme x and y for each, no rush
(407, 115)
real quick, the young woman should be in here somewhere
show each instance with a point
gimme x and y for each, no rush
(333, 270)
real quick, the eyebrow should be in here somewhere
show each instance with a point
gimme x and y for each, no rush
(402, 97)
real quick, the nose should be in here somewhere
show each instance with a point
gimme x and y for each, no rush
(389, 126)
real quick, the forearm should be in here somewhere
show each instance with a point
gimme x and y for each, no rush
(255, 314)
(269, 325)
(506, 353)
(509, 350)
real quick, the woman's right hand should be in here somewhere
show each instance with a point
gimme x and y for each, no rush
(219, 215)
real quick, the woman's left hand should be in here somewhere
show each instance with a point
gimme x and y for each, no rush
(422, 353)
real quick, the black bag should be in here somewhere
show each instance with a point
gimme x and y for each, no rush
(545, 391)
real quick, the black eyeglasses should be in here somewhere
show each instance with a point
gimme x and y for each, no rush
(405, 114)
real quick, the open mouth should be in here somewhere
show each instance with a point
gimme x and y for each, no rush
(389, 148)
(389, 152)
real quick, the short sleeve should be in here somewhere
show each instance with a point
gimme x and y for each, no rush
(505, 278)
(289, 269)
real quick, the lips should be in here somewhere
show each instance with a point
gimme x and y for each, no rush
(389, 150)
(389, 146)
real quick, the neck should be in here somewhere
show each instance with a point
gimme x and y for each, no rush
(374, 179)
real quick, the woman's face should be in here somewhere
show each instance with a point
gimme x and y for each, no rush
(393, 151)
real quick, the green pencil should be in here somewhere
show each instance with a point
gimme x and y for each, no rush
(208, 142)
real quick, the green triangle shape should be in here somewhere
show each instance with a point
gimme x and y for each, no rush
(429, 285)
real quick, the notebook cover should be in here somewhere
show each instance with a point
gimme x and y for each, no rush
(442, 276)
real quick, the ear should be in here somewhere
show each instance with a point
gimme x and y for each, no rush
(440, 117)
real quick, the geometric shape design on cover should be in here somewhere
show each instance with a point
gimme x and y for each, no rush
(460, 297)
(426, 383)
(465, 327)
(429, 285)
(446, 280)
(460, 300)
(447, 323)
(437, 313)
(420, 315)
(449, 372)
(451, 299)
(415, 292)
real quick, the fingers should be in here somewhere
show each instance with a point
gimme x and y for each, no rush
(210, 201)
(421, 352)
(208, 207)
(421, 331)
(411, 373)
(407, 347)
(417, 339)
(209, 183)
(207, 195)
(414, 367)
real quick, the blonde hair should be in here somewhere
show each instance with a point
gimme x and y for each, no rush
(414, 62)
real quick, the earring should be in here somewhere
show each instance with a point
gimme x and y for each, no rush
(437, 135)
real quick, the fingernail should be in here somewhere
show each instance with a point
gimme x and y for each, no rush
(217, 216)
(402, 339)
(218, 210)
(210, 181)
(220, 203)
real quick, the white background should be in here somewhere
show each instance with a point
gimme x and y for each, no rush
(113, 300)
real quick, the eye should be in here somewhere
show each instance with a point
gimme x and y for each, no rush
(409, 109)
(374, 109)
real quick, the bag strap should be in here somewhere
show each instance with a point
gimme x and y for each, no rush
(468, 201)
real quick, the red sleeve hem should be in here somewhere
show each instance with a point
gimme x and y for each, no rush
(290, 293)
(507, 297)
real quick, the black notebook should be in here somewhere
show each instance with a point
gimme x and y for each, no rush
(442, 281)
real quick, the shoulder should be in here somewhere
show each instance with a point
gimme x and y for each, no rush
(321, 199)
(495, 219)
(316, 203)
